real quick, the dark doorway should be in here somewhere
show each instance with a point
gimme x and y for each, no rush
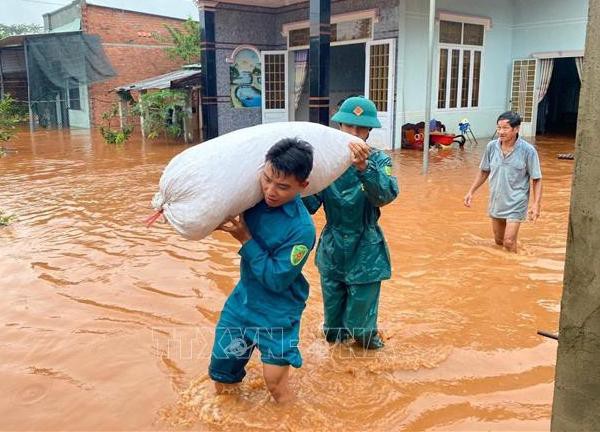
(346, 77)
(347, 74)
(557, 112)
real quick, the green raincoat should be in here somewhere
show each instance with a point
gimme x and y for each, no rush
(352, 248)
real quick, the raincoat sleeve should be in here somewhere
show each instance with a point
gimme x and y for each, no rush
(313, 202)
(380, 186)
(276, 270)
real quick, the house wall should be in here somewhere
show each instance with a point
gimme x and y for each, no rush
(343, 77)
(518, 29)
(128, 43)
(261, 28)
(384, 28)
(557, 28)
(548, 25)
(406, 21)
(495, 64)
(62, 16)
(237, 25)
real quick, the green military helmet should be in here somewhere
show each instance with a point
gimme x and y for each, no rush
(357, 111)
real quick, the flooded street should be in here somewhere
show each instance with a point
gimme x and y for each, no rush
(108, 325)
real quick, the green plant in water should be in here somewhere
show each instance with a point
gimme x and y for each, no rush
(8, 118)
(114, 136)
(6, 219)
(162, 112)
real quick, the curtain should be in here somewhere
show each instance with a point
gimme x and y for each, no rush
(546, 66)
(579, 64)
(301, 66)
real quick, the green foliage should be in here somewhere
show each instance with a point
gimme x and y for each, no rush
(114, 136)
(163, 113)
(6, 219)
(19, 29)
(21, 112)
(8, 118)
(186, 42)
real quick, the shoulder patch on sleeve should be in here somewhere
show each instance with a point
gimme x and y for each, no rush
(298, 254)
(388, 170)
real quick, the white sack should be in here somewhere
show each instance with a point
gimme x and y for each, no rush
(206, 183)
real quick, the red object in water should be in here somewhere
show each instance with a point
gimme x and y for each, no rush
(443, 139)
(418, 141)
(153, 218)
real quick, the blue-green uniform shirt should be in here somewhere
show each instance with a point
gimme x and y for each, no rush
(272, 291)
(352, 248)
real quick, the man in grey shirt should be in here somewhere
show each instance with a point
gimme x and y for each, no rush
(509, 162)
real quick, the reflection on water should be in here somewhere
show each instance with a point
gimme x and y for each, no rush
(108, 325)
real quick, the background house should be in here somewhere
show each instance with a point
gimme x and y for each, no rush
(185, 80)
(126, 33)
(490, 55)
(49, 73)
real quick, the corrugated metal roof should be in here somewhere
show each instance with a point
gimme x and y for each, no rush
(11, 41)
(161, 81)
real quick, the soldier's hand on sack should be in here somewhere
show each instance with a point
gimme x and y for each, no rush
(360, 153)
(236, 226)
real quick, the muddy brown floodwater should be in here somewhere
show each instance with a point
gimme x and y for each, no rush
(107, 325)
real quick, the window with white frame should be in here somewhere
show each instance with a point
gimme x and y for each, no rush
(353, 27)
(460, 51)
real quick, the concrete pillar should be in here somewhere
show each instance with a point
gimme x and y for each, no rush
(123, 108)
(25, 52)
(576, 404)
(141, 103)
(320, 36)
(208, 75)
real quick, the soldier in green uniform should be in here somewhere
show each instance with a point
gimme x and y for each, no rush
(352, 255)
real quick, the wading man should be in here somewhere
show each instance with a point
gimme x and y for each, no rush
(510, 163)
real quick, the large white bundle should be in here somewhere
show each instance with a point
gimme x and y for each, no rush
(206, 183)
